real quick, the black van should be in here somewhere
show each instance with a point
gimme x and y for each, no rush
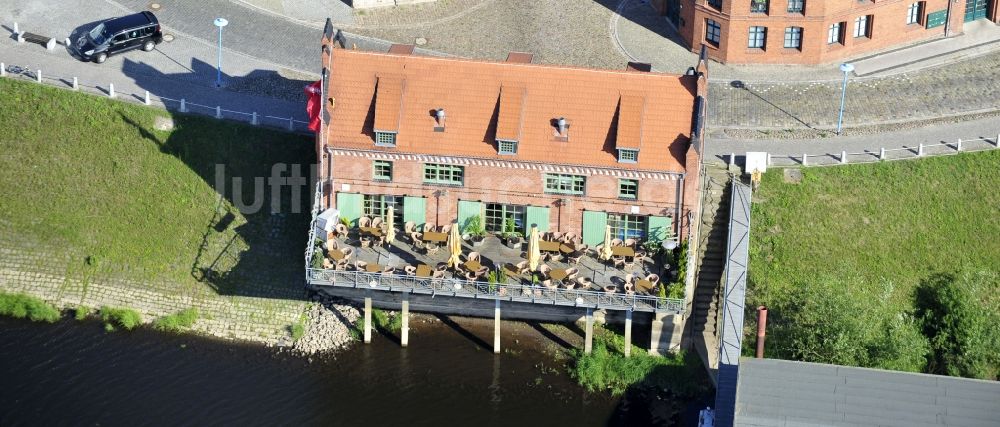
(141, 30)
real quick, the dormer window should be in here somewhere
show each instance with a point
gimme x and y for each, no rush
(626, 155)
(505, 146)
(385, 139)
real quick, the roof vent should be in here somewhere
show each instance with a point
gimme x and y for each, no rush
(439, 120)
(401, 49)
(640, 67)
(561, 123)
(519, 57)
(439, 114)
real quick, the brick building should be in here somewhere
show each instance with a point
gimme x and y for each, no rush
(815, 31)
(569, 149)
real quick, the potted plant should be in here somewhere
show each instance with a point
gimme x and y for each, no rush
(497, 277)
(512, 238)
(474, 229)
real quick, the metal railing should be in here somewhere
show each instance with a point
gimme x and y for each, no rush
(181, 105)
(389, 282)
(310, 246)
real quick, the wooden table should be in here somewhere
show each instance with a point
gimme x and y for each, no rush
(424, 270)
(336, 254)
(371, 231)
(432, 236)
(567, 248)
(622, 251)
(473, 265)
(558, 274)
(510, 270)
(373, 268)
(548, 246)
(643, 285)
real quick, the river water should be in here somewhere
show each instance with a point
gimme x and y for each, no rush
(75, 373)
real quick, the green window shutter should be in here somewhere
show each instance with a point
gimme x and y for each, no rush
(349, 205)
(536, 215)
(594, 225)
(658, 228)
(936, 19)
(415, 209)
(466, 210)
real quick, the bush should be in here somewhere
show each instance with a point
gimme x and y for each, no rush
(384, 321)
(177, 322)
(820, 321)
(298, 330)
(24, 306)
(317, 259)
(81, 312)
(960, 318)
(607, 368)
(122, 317)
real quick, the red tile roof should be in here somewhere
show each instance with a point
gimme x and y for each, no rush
(394, 92)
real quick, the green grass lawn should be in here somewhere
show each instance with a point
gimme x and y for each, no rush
(869, 235)
(92, 185)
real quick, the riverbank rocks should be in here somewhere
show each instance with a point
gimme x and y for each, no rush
(328, 323)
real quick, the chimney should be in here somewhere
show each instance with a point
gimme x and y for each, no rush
(640, 67)
(519, 57)
(439, 119)
(761, 327)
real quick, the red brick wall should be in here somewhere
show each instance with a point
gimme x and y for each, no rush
(889, 29)
(511, 186)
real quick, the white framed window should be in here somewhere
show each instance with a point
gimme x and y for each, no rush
(385, 139)
(506, 146)
(627, 155)
(913, 13)
(757, 37)
(713, 32)
(862, 26)
(796, 6)
(793, 37)
(835, 33)
(758, 6)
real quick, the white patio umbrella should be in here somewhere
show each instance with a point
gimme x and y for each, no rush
(606, 250)
(390, 225)
(534, 253)
(454, 246)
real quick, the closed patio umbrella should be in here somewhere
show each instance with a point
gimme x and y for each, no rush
(606, 250)
(454, 246)
(534, 254)
(390, 225)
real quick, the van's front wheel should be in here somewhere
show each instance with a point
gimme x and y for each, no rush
(100, 58)
(148, 46)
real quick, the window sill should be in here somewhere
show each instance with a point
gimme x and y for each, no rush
(709, 45)
(553, 193)
(441, 184)
(830, 47)
(755, 51)
(628, 199)
(795, 14)
(382, 179)
(791, 51)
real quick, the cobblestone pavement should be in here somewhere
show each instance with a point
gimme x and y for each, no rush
(968, 86)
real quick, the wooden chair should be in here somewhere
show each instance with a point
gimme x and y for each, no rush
(409, 227)
(437, 275)
(557, 257)
(410, 270)
(653, 279)
(360, 265)
(522, 267)
(366, 242)
(616, 242)
(619, 261)
(441, 266)
(364, 222)
(575, 257)
(556, 236)
(446, 228)
(332, 244)
(341, 230)
(376, 222)
(584, 282)
(629, 278)
(629, 263)
(432, 248)
(474, 256)
(569, 237)
(545, 270)
(348, 252)
(327, 263)
(630, 242)
(572, 272)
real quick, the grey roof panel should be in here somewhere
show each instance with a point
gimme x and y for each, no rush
(790, 393)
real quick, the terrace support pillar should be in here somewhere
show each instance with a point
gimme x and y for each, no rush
(496, 328)
(628, 333)
(588, 342)
(404, 332)
(656, 334)
(368, 320)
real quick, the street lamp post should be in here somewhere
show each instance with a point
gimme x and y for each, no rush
(846, 69)
(219, 22)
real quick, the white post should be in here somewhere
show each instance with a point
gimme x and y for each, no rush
(253, 119)
(843, 157)
(769, 159)
(732, 159)
(3, 70)
(920, 150)
(804, 161)
(404, 331)
(588, 341)
(66, 42)
(111, 90)
(628, 333)
(76, 83)
(368, 320)
(496, 328)
(291, 123)
(218, 112)
(183, 106)
(38, 76)
(145, 100)
(996, 142)
(881, 153)
(958, 146)
(16, 31)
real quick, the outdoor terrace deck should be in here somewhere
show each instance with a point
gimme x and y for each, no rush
(494, 255)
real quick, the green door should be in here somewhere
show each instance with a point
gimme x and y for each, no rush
(349, 205)
(975, 9)
(467, 210)
(415, 209)
(594, 225)
(658, 228)
(536, 215)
